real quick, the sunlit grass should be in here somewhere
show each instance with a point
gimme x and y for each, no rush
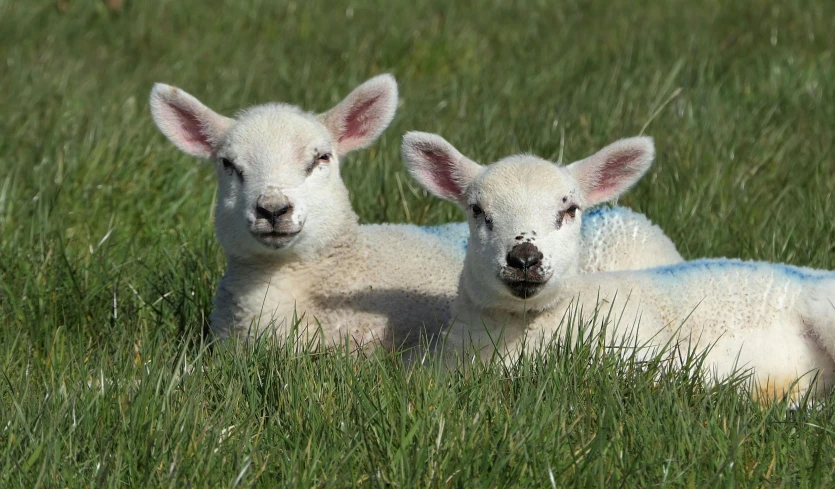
(108, 261)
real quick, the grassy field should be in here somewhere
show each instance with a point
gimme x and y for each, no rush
(108, 261)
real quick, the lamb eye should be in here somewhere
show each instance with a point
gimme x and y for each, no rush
(321, 158)
(478, 211)
(572, 211)
(231, 168)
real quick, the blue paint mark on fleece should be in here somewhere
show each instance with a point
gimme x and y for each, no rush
(596, 216)
(729, 264)
(597, 212)
(456, 232)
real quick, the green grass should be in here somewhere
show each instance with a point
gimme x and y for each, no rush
(108, 262)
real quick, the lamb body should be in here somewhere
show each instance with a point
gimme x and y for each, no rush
(376, 284)
(520, 277)
(765, 317)
(292, 242)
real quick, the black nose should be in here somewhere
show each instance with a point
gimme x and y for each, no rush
(524, 256)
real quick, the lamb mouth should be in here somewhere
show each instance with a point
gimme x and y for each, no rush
(525, 289)
(524, 284)
(276, 239)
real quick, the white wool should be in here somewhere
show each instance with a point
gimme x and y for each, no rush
(776, 320)
(393, 280)
(375, 284)
(616, 238)
(296, 257)
(748, 315)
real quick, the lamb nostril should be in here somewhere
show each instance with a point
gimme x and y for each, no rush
(284, 210)
(515, 261)
(524, 256)
(264, 213)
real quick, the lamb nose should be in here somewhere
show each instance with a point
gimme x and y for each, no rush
(271, 215)
(524, 256)
(271, 208)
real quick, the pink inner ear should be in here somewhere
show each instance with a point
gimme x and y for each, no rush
(356, 121)
(192, 129)
(440, 169)
(618, 171)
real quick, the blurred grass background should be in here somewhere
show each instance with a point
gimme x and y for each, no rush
(108, 262)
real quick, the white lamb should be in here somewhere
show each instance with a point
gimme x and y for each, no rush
(520, 278)
(293, 246)
(296, 256)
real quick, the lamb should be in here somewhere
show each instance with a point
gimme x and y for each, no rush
(297, 260)
(520, 276)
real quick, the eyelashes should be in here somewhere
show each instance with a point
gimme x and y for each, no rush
(478, 212)
(570, 212)
(319, 159)
(231, 168)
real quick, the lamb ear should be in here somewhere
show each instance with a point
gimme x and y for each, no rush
(190, 125)
(614, 169)
(365, 113)
(438, 166)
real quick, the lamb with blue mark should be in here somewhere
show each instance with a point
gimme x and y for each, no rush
(521, 275)
(454, 233)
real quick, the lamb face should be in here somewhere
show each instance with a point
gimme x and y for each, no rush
(278, 181)
(524, 216)
(525, 213)
(279, 189)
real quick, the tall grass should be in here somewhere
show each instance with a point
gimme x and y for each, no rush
(108, 262)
